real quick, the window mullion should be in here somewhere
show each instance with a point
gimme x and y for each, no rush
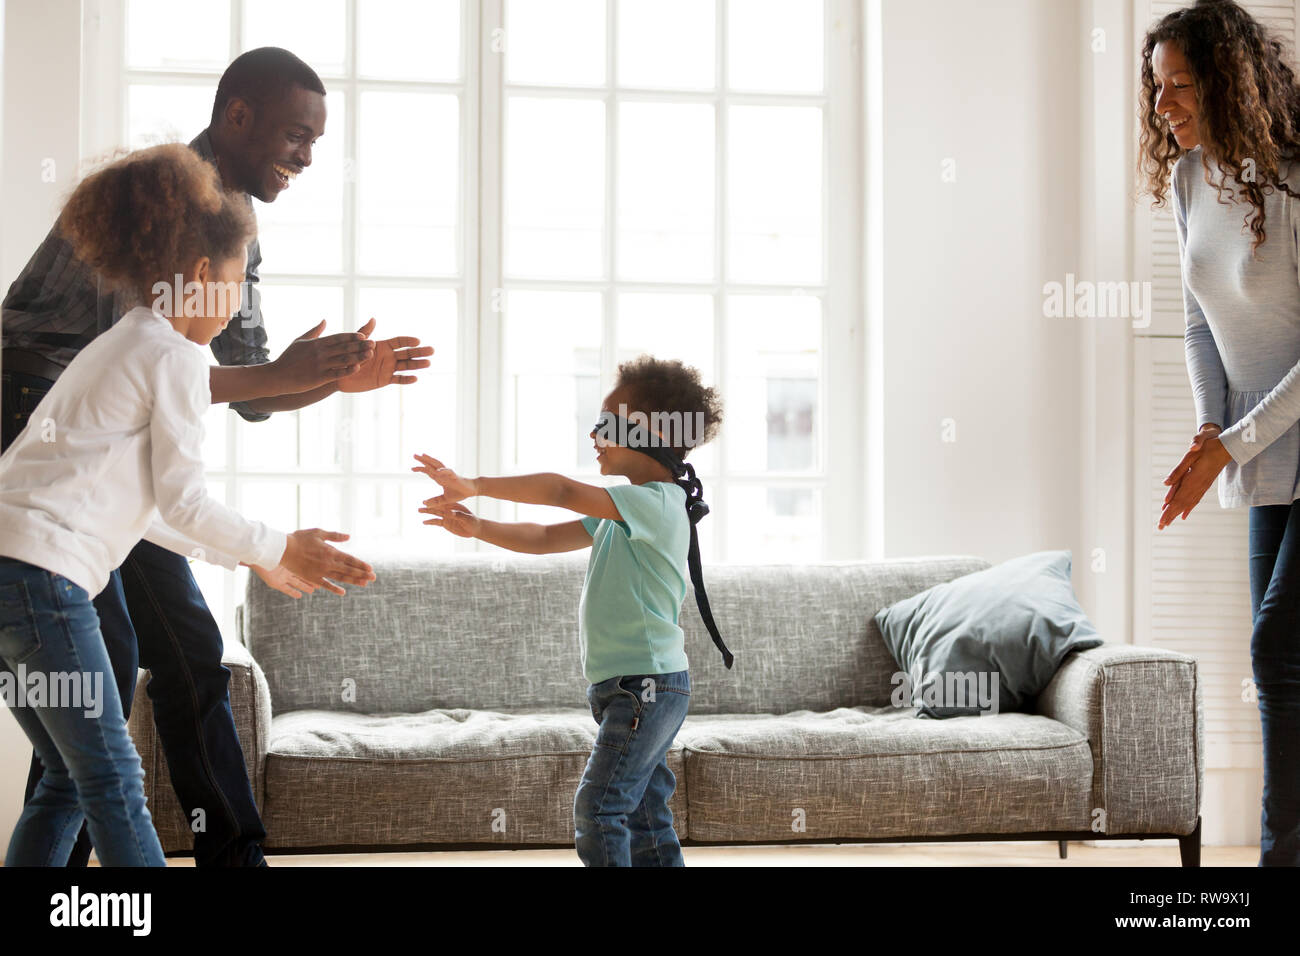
(842, 392)
(469, 300)
(351, 293)
(718, 493)
(609, 326)
(490, 437)
(236, 27)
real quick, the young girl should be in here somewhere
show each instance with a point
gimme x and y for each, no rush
(113, 454)
(633, 651)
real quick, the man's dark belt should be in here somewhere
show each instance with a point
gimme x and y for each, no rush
(29, 363)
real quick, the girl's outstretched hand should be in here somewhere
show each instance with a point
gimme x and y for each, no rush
(283, 580)
(456, 518)
(454, 487)
(309, 555)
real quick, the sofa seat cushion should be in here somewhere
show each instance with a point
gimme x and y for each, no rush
(441, 776)
(880, 772)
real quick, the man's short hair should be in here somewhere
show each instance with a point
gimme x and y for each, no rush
(262, 76)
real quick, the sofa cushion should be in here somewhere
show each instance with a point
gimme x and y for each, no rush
(988, 641)
(500, 632)
(876, 772)
(442, 776)
(477, 777)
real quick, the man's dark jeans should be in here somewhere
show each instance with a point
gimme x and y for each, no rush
(152, 603)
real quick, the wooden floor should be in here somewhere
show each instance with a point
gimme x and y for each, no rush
(1160, 853)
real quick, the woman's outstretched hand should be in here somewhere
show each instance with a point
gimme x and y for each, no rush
(283, 580)
(1192, 477)
(456, 518)
(454, 487)
(311, 557)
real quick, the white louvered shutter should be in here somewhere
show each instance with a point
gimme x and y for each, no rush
(1192, 587)
(1192, 590)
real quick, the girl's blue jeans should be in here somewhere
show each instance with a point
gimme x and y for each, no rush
(49, 627)
(620, 812)
(1275, 657)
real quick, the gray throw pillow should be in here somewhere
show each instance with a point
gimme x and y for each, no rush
(986, 642)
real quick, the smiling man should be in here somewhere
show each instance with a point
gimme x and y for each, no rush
(268, 112)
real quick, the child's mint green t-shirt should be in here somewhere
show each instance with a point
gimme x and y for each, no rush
(636, 582)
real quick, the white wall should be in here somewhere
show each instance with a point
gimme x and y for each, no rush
(40, 53)
(993, 87)
(1038, 129)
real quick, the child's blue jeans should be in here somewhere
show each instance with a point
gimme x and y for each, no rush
(620, 812)
(49, 630)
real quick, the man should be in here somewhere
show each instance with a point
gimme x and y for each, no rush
(268, 112)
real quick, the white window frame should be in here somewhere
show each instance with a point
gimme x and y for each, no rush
(841, 412)
(842, 392)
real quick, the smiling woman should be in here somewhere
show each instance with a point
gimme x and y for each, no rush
(1221, 130)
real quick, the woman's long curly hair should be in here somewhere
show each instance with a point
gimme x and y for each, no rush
(1248, 102)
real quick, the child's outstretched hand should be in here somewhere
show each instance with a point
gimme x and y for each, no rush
(456, 518)
(454, 487)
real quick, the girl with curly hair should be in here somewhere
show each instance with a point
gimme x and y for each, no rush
(1220, 128)
(113, 454)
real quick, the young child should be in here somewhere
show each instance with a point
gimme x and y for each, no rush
(634, 655)
(111, 455)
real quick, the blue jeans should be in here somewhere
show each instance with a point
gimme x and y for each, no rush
(620, 812)
(1275, 657)
(48, 627)
(152, 614)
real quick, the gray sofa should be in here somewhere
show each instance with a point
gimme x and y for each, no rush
(444, 706)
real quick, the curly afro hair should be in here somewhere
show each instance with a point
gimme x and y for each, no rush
(151, 215)
(667, 385)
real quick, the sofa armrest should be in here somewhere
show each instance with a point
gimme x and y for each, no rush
(250, 703)
(1141, 710)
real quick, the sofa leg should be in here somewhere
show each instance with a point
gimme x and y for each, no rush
(1189, 847)
(1062, 847)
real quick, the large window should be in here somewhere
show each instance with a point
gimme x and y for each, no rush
(540, 189)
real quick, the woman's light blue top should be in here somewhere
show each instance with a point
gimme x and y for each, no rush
(1243, 330)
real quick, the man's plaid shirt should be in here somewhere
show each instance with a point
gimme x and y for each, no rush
(56, 306)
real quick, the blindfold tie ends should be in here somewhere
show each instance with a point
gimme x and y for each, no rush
(617, 430)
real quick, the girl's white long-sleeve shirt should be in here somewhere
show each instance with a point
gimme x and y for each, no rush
(113, 454)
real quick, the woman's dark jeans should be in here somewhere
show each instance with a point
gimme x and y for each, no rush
(152, 614)
(1275, 656)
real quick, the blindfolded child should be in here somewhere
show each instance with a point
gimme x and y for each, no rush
(643, 545)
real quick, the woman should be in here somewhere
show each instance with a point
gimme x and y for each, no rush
(1220, 118)
(111, 455)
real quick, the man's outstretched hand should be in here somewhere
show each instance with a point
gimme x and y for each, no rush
(311, 361)
(385, 366)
